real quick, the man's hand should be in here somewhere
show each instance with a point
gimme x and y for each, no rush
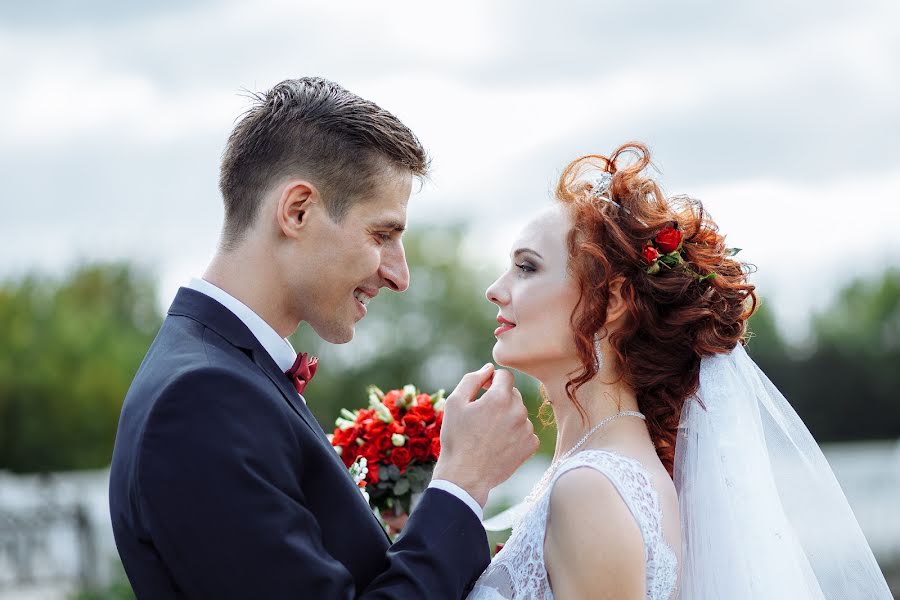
(483, 441)
(395, 523)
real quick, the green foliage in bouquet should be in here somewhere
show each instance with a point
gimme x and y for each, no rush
(391, 447)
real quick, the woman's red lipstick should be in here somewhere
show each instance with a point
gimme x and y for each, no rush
(504, 326)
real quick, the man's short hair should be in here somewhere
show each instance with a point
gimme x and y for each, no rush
(315, 129)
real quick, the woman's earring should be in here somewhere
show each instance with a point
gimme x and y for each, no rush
(598, 354)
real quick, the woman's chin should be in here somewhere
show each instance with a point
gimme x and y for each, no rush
(503, 357)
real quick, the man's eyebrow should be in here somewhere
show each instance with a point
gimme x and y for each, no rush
(526, 250)
(391, 224)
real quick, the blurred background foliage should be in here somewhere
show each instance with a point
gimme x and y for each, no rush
(69, 350)
(71, 345)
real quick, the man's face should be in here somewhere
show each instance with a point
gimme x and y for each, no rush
(356, 258)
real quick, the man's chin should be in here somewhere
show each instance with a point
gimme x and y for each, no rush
(335, 334)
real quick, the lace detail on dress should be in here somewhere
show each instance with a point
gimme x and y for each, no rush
(517, 571)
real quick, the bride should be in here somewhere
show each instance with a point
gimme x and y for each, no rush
(679, 468)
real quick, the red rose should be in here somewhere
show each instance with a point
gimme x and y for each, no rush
(413, 425)
(650, 254)
(436, 448)
(371, 453)
(433, 431)
(349, 454)
(668, 239)
(365, 414)
(372, 475)
(439, 420)
(390, 400)
(374, 428)
(420, 448)
(400, 457)
(396, 427)
(347, 437)
(423, 411)
(383, 442)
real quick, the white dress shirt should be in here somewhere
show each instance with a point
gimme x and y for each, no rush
(284, 355)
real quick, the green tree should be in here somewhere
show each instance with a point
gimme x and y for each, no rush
(854, 374)
(845, 386)
(765, 338)
(864, 318)
(69, 350)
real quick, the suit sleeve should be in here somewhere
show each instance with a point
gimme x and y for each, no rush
(218, 486)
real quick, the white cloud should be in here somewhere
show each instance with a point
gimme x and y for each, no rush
(68, 92)
(808, 239)
(775, 117)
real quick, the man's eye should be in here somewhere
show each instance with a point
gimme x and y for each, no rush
(525, 267)
(384, 237)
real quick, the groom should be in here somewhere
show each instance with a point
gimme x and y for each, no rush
(223, 485)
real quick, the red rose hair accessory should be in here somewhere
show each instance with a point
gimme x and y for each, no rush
(665, 250)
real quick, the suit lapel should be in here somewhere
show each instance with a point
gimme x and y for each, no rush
(265, 362)
(206, 310)
(210, 313)
(268, 366)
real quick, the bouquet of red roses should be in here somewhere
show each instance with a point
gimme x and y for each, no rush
(391, 447)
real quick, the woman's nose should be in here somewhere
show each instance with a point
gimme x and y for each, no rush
(496, 294)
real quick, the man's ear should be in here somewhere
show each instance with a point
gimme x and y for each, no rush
(294, 204)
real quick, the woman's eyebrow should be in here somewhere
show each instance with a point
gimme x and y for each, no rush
(526, 250)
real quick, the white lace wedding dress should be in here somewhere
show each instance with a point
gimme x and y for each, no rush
(517, 571)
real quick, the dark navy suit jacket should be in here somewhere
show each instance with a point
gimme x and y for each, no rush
(223, 485)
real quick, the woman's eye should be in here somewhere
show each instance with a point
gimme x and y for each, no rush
(525, 267)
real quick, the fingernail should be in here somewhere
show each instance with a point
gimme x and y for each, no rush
(486, 365)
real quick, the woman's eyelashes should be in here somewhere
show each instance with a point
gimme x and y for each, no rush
(526, 267)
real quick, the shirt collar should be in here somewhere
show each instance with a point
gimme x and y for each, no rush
(279, 348)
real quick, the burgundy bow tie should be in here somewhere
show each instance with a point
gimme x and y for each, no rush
(303, 370)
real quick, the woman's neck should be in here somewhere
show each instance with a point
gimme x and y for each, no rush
(600, 398)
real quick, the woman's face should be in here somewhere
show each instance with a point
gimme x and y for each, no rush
(536, 295)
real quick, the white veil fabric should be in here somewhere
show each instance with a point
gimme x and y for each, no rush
(762, 515)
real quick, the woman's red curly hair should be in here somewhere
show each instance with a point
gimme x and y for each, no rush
(674, 318)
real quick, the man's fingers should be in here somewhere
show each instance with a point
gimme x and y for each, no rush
(487, 384)
(468, 386)
(503, 381)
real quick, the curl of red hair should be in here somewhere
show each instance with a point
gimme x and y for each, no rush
(673, 318)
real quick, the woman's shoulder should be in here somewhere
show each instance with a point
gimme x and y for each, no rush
(638, 478)
(635, 461)
(592, 541)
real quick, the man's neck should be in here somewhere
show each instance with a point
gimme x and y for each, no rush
(243, 274)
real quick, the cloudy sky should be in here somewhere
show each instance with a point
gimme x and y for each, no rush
(784, 117)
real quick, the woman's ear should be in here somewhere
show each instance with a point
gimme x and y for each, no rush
(616, 307)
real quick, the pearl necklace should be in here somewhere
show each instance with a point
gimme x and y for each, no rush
(551, 470)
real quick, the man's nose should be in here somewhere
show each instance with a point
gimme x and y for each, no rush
(394, 270)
